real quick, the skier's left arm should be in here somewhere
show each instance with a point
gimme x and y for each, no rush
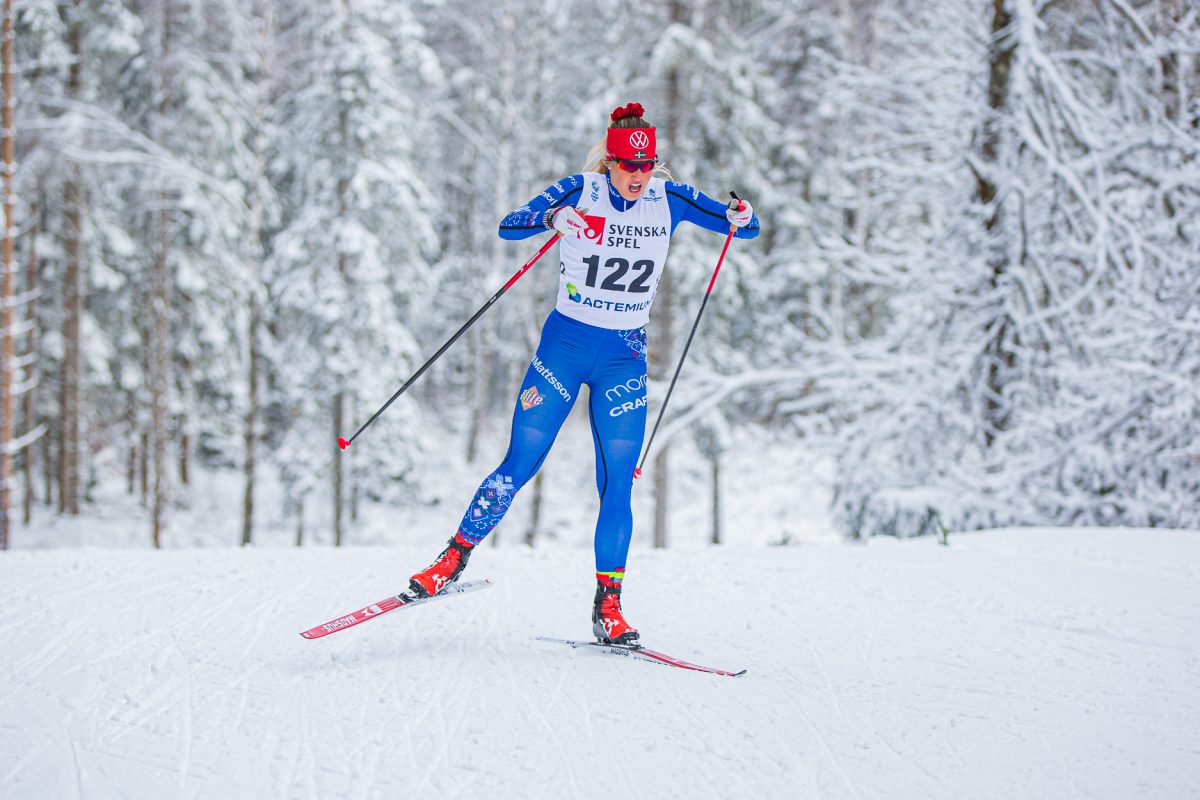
(536, 216)
(691, 204)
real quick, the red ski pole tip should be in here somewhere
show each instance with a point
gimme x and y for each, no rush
(343, 443)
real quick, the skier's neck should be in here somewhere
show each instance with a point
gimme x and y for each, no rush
(618, 202)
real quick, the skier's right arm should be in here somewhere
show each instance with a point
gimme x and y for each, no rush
(534, 217)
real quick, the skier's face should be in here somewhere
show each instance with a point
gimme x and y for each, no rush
(629, 185)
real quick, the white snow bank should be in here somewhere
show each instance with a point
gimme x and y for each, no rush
(1023, 663)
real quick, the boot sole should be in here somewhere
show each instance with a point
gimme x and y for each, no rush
(625, 639)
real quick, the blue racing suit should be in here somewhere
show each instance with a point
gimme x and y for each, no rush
(595, 336)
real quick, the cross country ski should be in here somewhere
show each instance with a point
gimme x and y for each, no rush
(402, 600)
(640, 653)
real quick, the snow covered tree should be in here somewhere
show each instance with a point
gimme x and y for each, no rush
(8, 269)
(352, 248)
(261, 42)
(714, 125)
(975, 284)
(73, 279)
(1022, 403)
(187, 143)
(69, 52)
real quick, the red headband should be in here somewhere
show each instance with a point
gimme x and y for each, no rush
(632, 144)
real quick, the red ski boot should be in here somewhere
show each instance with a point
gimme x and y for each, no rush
(445, 570)
(608, 623)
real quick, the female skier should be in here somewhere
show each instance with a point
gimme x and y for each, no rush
(616, 222)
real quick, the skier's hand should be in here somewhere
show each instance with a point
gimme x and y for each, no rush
(569, 222)
(740, 217)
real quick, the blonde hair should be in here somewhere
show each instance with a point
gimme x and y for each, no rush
(597, 158)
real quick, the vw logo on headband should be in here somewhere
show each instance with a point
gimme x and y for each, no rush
(639, 140)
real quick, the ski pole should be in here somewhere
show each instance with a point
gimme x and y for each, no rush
(345, 443)
(735, 203)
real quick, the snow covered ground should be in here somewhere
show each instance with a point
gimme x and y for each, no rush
(1019, 663)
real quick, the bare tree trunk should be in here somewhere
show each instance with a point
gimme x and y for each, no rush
(535, 516)
(131, 470)
(251, 433)
(255, 322)
(185, 445)
(662, 492)
(161, 305)
(343, 265)
(476, 342)
(338, 464)
(716, 497)
(509, 378)
(1177, 70)
(6, 287)
(159, 383)
(48, 470)
(664, 339)
(254, 332)
(185, 423)
(68, 462)
(72, 366)
(140, 431)
(300, 524)
(998, 354)
(144, 466)
(256, 257)
(27, 412)
(68, 443)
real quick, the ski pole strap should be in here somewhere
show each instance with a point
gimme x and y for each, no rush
(735, 204)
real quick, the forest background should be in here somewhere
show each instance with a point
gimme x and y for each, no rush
(235, 227)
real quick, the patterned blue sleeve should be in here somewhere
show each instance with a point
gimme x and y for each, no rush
(534, 217)
(688, 202)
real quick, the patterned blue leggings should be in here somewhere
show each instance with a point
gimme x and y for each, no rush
(613, 365)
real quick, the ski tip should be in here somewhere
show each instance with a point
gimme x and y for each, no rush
(343, 443)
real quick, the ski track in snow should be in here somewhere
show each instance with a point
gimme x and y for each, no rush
(1025, 663)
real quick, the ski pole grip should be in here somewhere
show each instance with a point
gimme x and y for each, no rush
(736, 204)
